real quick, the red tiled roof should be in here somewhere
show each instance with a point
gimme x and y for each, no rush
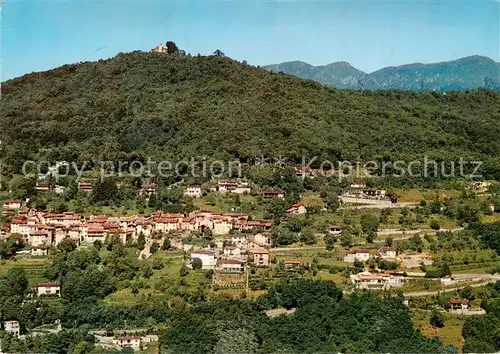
(207, 252)
(49, 285)
(96, 230)
(387, 248)
(122, 338)
(459, 301)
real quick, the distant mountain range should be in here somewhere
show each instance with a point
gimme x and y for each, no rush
(462, 74)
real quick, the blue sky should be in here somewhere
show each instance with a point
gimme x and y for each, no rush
(40, 35)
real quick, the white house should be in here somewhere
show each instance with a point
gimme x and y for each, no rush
(12, 327)
(387, 252)
(59, 189)
(47, 289)
(193, 190)
(38, 251)
(335, 229)
(239, 240)
(12, 204)
(232, 251)
(207, 257)
(133, 342)
(233, 266)
(262, 240)
(357, 255)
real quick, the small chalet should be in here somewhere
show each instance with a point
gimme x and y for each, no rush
(358, 184)
(133, 342)
(335, 229)
(273, 193)
(12, 204)
(459, 305)
(47, 289)
(297, 209)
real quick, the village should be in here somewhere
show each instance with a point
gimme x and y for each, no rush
(242, 253)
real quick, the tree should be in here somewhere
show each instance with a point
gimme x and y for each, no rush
(434, 224)
(330, 241)
(307, 236)
(219, 53)
(15, 283)
(345, 238)
(313, 203)
(147, 271)
(196, 263)
(155, 246)
(445, 269)
(22, 186)
(166, 244)
(388, 241)
(437, 319)
(171, 47)
(369, 226)
(208, 234)
(105, 191)
(384, 216)
(141, 241)
(67, 245)
(238, 340)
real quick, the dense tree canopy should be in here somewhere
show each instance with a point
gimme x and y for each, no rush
(323, 322)
(138, 105)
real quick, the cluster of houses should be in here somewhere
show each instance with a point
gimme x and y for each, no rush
(377, 281)
(43, 229)
(126, 341)
(242, 249)
(363, 255)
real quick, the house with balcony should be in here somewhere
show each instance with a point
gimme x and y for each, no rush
(259, 257)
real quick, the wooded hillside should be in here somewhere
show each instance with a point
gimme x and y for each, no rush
(149, 104)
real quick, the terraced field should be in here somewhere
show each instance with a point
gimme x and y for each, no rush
(34, 268)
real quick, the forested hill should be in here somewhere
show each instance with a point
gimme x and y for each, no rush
(149, 104)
